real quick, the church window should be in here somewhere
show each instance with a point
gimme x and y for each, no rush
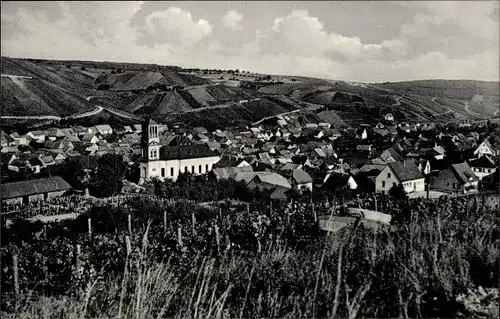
(192, 169)
(171, 171)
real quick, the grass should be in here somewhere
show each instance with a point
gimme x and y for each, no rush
(416, 270)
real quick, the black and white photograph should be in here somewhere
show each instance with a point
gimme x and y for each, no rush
(250, 159)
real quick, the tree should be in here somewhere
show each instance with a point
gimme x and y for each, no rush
(109, 177)
(398, 192)
(83, 68)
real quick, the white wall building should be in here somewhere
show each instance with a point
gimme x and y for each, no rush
(169, 161)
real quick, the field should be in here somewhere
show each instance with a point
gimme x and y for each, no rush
(440, 259)
(233, 115)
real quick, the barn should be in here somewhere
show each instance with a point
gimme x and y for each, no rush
(33, 190)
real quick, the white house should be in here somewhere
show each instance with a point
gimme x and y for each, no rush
(485, 148)
(483, 166)
(18, 139)
(38, 136)
(90, 138)
(400, 173)
(104, 129)
(389, 117)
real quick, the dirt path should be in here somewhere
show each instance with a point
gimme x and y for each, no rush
(468, 110)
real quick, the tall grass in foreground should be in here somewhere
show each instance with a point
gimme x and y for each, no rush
(415, 270)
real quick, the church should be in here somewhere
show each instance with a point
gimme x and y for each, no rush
(164, 161)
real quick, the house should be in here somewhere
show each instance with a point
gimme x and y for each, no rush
(483, 166)
(485, 148)
(364, 147)
(104, 130)
(271, 183)
(80, 130)
(363, 135)
(404, 173)
(301, 180)
(127, 129)
(18, 139)
(5, 140)
(389, 155)
(33, 190)
(38, 136)
(34, 164)
(389, 117)
(424, 167)
(9, 150)
(137, 128)
(54, 133)
(438, 152)
(90, 139)
(458, 178)
(339, 180)
(230, 172)
(47, 160)
(213, 145)
(227, 161)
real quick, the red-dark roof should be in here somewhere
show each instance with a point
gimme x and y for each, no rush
(32, 187)
(407, 171)
(186, 151)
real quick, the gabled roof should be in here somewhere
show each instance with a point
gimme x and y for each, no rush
(104, 127)
(407, 171)
(230, 172)
(301, 177)
(31, 187)
(273, 179)
(186, 151)
(484, 162)
(463, 172)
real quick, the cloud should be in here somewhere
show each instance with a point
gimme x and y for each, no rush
(173, 26)
(232, 20)
(304, 35)
(441, 40)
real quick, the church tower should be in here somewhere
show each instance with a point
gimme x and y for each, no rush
(150, 141)
(150, 144)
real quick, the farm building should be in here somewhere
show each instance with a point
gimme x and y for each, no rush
(33, 190)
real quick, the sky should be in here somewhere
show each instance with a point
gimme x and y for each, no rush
(354, 41)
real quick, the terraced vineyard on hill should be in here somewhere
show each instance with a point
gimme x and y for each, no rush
(166, 93)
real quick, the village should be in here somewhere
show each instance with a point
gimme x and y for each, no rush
(278, 154)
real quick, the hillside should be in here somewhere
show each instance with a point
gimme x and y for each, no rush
(38, 97)
(167, 93)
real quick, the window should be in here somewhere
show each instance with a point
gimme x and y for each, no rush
(171, 171)
(199, 169)
(448, 184)
(388, 175)
(383, 184)
(185, 169)
(206, 168)
(192, 169)
(162, 172)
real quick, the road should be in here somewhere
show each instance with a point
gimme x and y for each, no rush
(16, 76)
(270, 117)
(468, 110)
(97, 110)
(218, 106)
